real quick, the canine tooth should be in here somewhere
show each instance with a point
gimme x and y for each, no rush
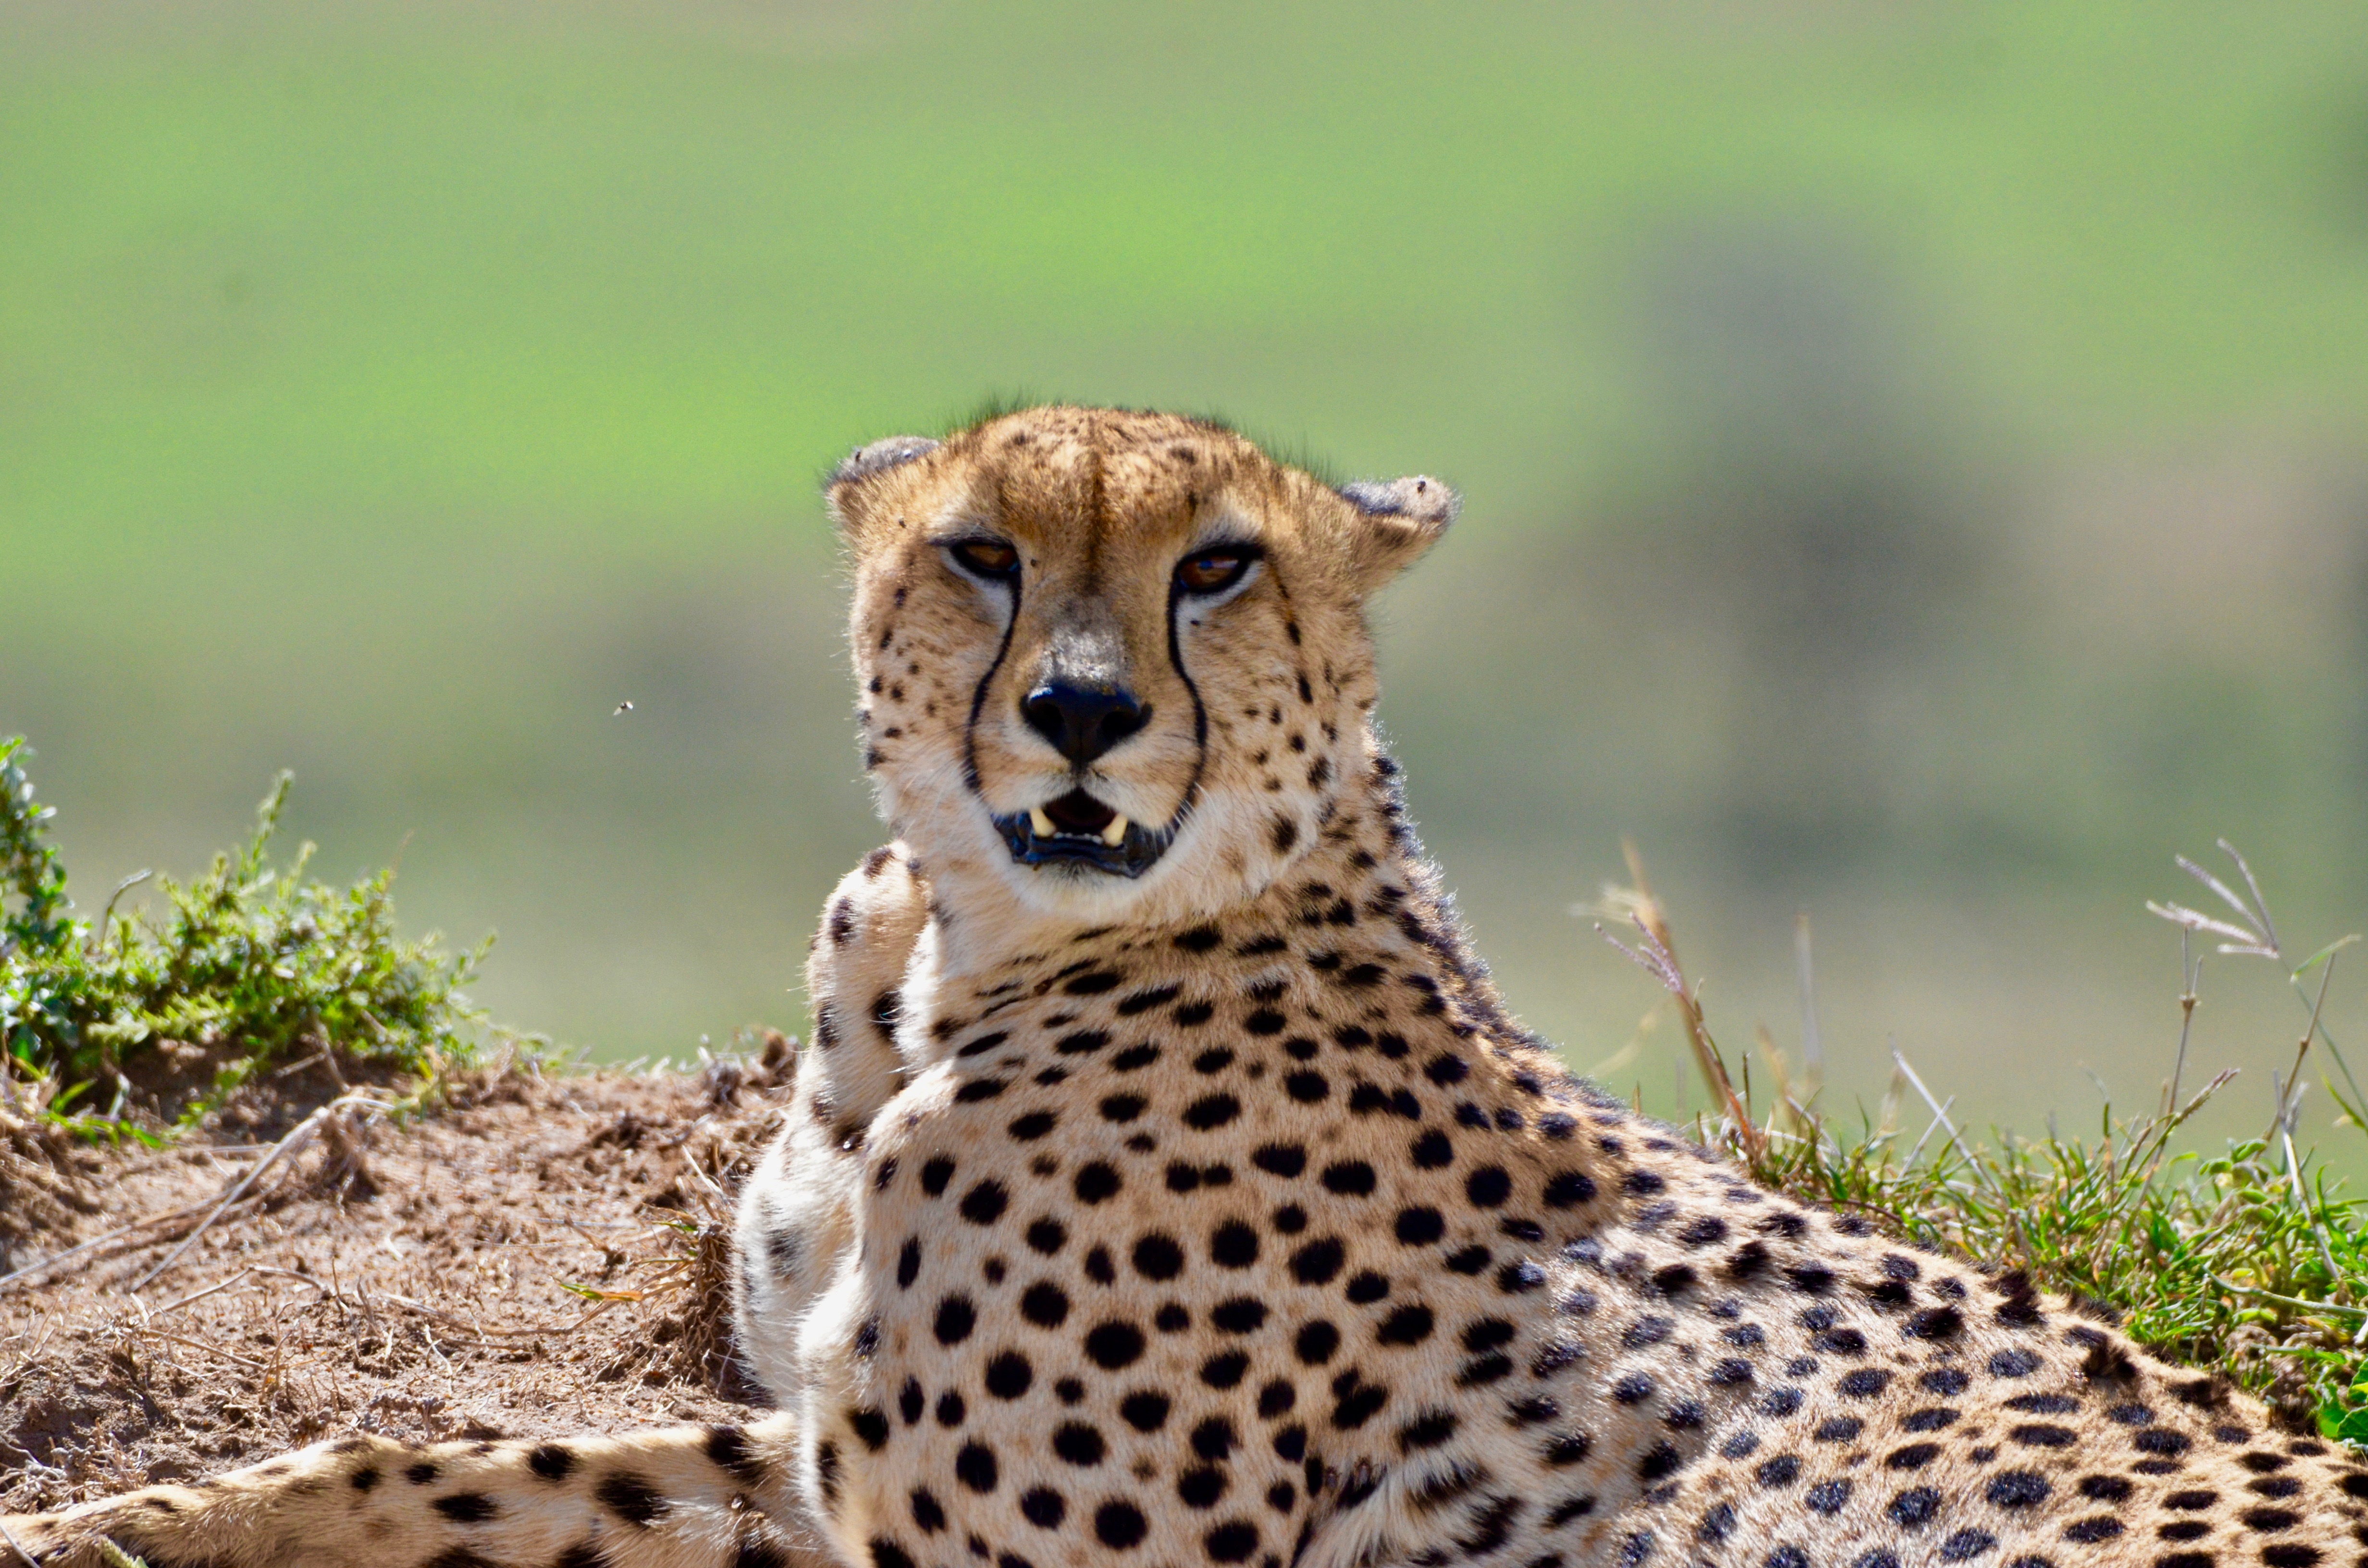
(1039, 822)
(1115, 834)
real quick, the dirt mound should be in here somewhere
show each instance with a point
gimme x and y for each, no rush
(535, 1254)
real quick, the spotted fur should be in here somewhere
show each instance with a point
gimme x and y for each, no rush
(1218, 1214)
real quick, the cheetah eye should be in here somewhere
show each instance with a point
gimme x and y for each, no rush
(988, 558)
(1214, 571)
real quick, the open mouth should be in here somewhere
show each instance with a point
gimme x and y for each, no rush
(1078, 829)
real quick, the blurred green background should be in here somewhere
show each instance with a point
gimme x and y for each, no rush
(1916, 463)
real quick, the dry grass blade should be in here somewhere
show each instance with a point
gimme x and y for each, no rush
(297, 1137)
(1657, 956)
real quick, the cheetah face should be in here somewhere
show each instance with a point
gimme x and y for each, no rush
(1113, 659)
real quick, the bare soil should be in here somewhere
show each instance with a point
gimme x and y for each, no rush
(404, 1276)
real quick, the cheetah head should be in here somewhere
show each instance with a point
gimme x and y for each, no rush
(1114, 662)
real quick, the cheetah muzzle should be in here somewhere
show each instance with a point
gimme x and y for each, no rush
(1165, 1183)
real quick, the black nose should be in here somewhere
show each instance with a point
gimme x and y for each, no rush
(1083, 722)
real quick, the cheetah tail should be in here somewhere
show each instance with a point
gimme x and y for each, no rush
(671, 1497)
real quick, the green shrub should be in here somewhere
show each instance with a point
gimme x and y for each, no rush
(256, 963)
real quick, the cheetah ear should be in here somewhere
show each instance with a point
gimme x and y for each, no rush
(1397, 520)
(847, 487)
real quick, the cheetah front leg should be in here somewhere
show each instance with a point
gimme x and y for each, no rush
(796, 1215)
(678, 1497)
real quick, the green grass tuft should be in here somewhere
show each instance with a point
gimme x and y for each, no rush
(256, 964)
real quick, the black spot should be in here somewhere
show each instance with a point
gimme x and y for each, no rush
(466, 1508)
(1408, 1325)
(1782, 1471)
(1095, 1182)
(1236, 1540)
(1914, 1508)
(1488, 1187)
(1203, 1486)
(1144, 1411)
(1646, 1331)
(887, 1554)
(1839, 1429)
(1421, 1227)
(1966, 1544)
(1427, 1430)
(1119, 1525)
(956, 1318)
(1233, 1245)
(1238, 1314)
(1285, 1160)
(928, 1514)
(1034, 1125)
(1210, 1112)
(1915, 1455)
(869, 1424)
(1043, 1507)
(2013, 1364)
(630, 1498)
(1930, 1420)
(2089, 1531)
(1318, 1261)
(1864, 1383)
(1365, 1289)
(1112, 1346)
(1079, 1444)
(1946, 1382)
(1933, 1322)
(976, 1468)
(1144, 1001)
(984, 1203)
(2163, 1441)
(1315, 1342)
(1826, 1496)
(1044, 1304)
(548, 1460)
(1159, 1257)
(2017, 1489)
(950, 1409)
(1008, 1375)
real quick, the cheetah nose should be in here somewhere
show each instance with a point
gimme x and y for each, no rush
(1083, 722)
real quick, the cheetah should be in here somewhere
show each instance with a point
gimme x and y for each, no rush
(1165, 1182)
